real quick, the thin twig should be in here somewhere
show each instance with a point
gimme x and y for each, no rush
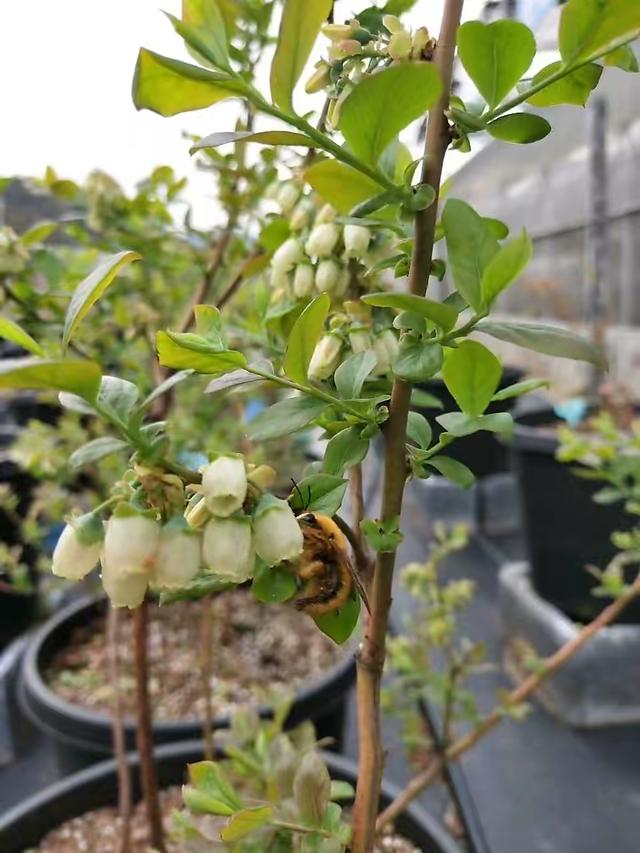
(206, 640)
(117, 728)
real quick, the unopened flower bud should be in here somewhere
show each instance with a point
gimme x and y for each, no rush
(320, 78)
(327, 276)
(301, 216)
(287, 255)
(356, 240)
(393, 23)
(179, 555)
(325, 358)
(278, 280)
(303, 280)
(327, 213)
(386, 348)
(337, 32)
(224, 485)
(276, 533)
(400, 45)
(78, 548)
(227, 548)
(130, 543)
(359, 340)
(419, 42)
(287, 197)
(263, 476)
(197, 513)
(322, 240)
(350, 47)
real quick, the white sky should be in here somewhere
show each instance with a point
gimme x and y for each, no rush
(66, 68)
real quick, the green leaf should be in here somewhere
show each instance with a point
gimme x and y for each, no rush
(453, 470)
(321, 493)
(340, 185)
(75, 403)
(588, 27)
(274, 233)
(11, 331)
(344, 450)
(78, 377)
(38, 233)
(505, 267)
(459, 424)
(201, 803)
(384, 103)
(174, 353)
(495, 56)
(303, 338)
(442, 315)
(519, 128)
(498, 228)
(273, 584)
(246, 821)
(519, 388)
(623, 57)
(91, 289)
(418, 362)
(94, 450)
(118, 395)
(549, 340)
(471, 373)
(165, 386)
(574, 88)
(217, 796)
(419, 430)
(340, 624)
(238, 377)
(470, 247)
(204, 24)
(299, 26)
(264, 137)
(424, 400)
(341, 791)
(383, 536)
(285, 417)
(168, 86)
(352, 373)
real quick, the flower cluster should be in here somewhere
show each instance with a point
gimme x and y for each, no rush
(355, 50)
(136, 551)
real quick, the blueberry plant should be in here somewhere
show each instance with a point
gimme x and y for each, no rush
(344, 352)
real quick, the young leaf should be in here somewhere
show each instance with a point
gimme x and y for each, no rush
(352, 373)
(118, 395)
(498, 228)
(246, 821)
(471, 373)
(94, 450)
(424, 400)
(442, 315)
(623, 57)
(303, 338)
(418, 362)
(453, 470)
(236, 377)
(285, 417)
(299, 26)
(165, 386)
(264, 137)
(344, 450)
(470, 247)
(318, 493)
(382, 104)
(174, 353)
(77, 377)
(38, 233)
(419, 430)
(505, 267)
(273, 584)
(519, 128)
(588, 27)
(340, 185)
(168, 86)
(383, 536)
(519, 388)
(574, 88)
(91, 289)
(340, 624)
(459, 424)
(549, 340)
(495, 56)
(205, 22)
(11, 331)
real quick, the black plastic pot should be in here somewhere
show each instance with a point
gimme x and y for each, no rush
(26, 825)
(83, 737)
(482, 452)
(565, 530)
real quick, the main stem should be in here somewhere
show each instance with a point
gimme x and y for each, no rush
(371, 654)
(144, 733)
(206, 640)
(117, 727)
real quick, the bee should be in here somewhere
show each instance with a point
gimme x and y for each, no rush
(325, 570)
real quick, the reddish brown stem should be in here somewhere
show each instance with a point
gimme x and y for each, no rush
(148, 774)
(206, 638)
(117, 727)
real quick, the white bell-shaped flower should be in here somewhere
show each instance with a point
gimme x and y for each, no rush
(287, 255)
(303, 280)
(130, 543)
(356, 240)
(125, 589)
(224, 485)
(287, 196)
(386, 347)
(328, 276)
(359, 339)
(179, 555)
(78, 548)
(276, 533)
(325, 358)
(227, 548)
(322, 240)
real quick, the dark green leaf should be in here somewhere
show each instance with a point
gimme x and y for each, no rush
(505, 266)
(272, 584)
(340, 185)
(11, 331)
(453, 470)
(303, 337)
(174, 353)
(471, 373)
(419, 430)
(549, 340)
(519, 388)
(588, 27)
(91, 289)
(470, 247)
(352, 373)
(285, 417)
(519, 128)
(77, 377)
(299, 27)
(340, 624)
(383, 536)
(574, 88)
(344, 450)
(418, 362)
(321, 493)
(264, 137)
(382, 104)
(495, 56)
(442, 315)
(94, 450)
(246, 821)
